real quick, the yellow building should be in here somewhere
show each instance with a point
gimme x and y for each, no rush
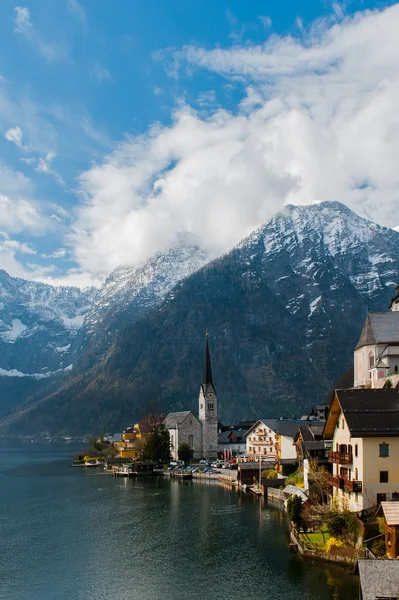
(364, 427)
(132, 440)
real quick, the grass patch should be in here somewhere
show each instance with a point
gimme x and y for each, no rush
(315, 538)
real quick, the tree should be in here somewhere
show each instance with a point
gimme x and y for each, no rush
(157, 445)
(184, 452)
(294, 510)
(318, 482)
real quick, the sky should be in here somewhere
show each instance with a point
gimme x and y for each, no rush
(124, 123)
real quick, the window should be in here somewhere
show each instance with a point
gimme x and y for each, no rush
(338, 424)
(384, 450)
(210, 405)
(371, 360)
(343, 424)
(356, 450)
(383, 476)
(202, 406)
(356, 475)
(191, 441)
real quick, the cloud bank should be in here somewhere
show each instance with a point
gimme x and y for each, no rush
(318, 120)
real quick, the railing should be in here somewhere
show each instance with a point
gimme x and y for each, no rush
(344, 484)
(341, 458)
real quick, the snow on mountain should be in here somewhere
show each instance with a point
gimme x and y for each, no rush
(310, 234)
(38, 326)
(130, 291)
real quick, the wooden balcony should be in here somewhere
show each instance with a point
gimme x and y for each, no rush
(344, 484)
(340, 458)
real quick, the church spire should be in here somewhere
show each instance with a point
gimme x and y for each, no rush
(207, 375)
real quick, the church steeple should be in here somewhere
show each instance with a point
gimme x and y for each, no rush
(208, 409)
(207, 375)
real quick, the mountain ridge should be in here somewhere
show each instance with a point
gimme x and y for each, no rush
(284, 309)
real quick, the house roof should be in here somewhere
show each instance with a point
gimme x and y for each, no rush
(224, 437)
(380, 328)
(292, 490)
(391, 513)
(287, 427)
(390, 351)
(379, 578)
(173, 420)
(117, 437)
(368, 412)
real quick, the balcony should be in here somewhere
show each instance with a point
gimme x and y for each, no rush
(340, 458)
(344, 484)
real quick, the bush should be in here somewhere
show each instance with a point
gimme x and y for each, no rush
(342, 524)
(295, 479)
(269, 474)
(334, 542)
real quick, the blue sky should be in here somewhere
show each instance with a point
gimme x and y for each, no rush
(123, 123)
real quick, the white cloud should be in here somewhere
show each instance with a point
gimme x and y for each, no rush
(22, 20)
(44, 166)
(14, 245)
(157, 91)
(60, 253)
(24, 27)
(101, 74)
(317, 123)
(15, 135)
(266, 21)
(77, 11)
(20, 215)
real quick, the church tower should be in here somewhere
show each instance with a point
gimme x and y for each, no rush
(208, 410)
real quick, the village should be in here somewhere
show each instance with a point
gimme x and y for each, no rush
(334, 470)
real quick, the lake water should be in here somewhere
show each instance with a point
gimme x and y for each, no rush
(77, 534)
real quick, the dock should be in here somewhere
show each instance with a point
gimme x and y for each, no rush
(124, 472)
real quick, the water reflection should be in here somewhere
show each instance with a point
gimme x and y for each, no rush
(74, 535)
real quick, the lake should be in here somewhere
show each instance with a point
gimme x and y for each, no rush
(79, 534)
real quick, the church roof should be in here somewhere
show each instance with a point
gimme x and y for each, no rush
(380, 328)
(207, 374)
(173, 420)
(207, 379)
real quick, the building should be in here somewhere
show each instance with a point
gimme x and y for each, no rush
(208, 410)
(376, 356)
(379, 579)
(364, 427)
(390, 512)
(201, 434)
(231, 442)
(132, 440)
(184, 427)
(274, 438)
(310, 444)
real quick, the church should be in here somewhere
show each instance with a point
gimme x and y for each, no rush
(200, 433)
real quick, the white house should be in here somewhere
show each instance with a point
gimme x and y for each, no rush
(376, 356)
(364, 427)
(274, 438)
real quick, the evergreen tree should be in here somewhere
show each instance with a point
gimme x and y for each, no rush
(157, 446)
(184, 452)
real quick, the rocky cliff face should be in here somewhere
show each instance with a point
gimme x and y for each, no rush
(284, 310)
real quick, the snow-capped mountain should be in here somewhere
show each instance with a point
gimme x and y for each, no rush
(129, 292)
(284, 310)
(38, 326)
